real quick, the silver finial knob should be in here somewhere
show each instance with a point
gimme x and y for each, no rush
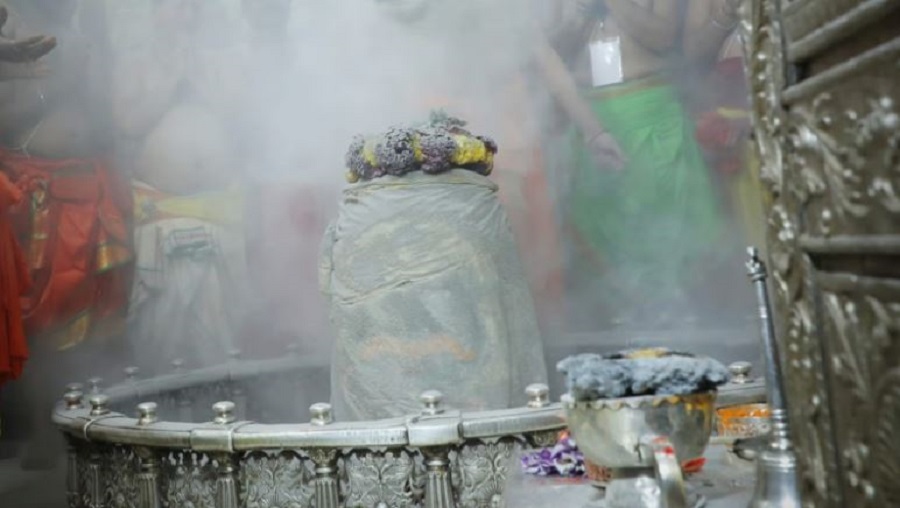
(756, 267)
(234, 354)
(75, 387)
(321, 414)
(538, 395)
(740, 372)
(131, 373)
(432, 400)
(224, 412)
(94, 383)
(292, 349)
(73, 400)
(177, 364)
(146, 413)
(99, 404)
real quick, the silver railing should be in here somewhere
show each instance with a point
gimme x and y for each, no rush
(440, 458)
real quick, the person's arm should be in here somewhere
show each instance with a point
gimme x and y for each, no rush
(709, 24)
(564, 89)
(21, 103)
(25, 50)
(574, 29)
(654, 27)
(14, 50)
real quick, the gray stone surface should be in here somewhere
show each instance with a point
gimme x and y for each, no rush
(31, 489)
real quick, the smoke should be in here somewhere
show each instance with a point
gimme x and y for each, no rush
(274, 107)
(276, 90)
(364, 65)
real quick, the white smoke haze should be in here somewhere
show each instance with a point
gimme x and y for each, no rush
(281, 112)
(279, 115)
(362, 68)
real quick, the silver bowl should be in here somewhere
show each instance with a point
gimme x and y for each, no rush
(620, 433)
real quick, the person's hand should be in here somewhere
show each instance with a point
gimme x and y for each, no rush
(25, 50)
(605, 151)
(27, 70)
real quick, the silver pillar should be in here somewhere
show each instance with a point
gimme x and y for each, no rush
(776, 477)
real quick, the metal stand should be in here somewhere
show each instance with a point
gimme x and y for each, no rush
(642, 488)
(776, 474)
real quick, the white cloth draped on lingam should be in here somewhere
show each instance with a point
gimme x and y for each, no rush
(427, 292)
(190, 279)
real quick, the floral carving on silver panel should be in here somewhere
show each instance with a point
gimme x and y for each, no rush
(762, 35)
(282, 480)
(120, 487)
(375, 479)
(864, 331)
(886, 462)
(482, 469)
(848, 143)
(83, 468)
(189, 480)
(865, 334)
(790, 149)
(545, 439)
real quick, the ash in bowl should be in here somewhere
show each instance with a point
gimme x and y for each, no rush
(636, 373)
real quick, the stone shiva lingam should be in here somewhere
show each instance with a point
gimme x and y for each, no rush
(642, 414)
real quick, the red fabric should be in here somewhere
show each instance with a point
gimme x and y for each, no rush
(714, 130)
(72, 228)
(13, 283)
(718, 135)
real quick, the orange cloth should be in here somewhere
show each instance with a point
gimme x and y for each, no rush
(13, 283)
(72, 228)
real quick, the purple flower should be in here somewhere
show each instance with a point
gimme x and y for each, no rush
(563, 459)
(538, 463)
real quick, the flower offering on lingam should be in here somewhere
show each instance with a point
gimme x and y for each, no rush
(435, 147)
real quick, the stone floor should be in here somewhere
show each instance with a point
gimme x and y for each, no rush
(31, 489)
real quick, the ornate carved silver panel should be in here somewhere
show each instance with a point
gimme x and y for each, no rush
(381, 478)
(276, 480)
(825, 78)
(120, 489)
(481, 469)
(190, 480)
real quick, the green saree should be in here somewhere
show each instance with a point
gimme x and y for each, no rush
(640, 231)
